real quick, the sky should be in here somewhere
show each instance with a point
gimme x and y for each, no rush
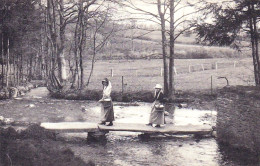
(124, 13)
(153, 9)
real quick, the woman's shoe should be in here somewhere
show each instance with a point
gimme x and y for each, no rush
(157, 126)
(149, 124)
(110, 124)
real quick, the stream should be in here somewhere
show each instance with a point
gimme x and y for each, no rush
(125, 148)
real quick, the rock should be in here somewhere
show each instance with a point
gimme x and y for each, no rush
(8, 121)
(37, 97)
(22, 93)
(30, 86)
(214, 134)
(4, 93)
(83, 109)
(21, 89)
(31, 106)
(2, 118)
(183, 105)
(13, 92)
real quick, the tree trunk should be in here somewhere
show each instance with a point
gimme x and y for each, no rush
(21, 69)
(7, 63)
(253, 44)
(61, 59)
(256, 44)
(171, 63)
(30, 67)
(163, 33)
(2, 57)
(14, 71)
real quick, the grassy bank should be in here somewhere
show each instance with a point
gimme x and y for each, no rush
(34, 146)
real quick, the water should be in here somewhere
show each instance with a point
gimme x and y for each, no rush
(126, 148)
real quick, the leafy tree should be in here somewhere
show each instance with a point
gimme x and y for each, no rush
(18, 26)
(230, 20)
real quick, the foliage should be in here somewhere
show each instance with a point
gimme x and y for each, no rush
(231, 21)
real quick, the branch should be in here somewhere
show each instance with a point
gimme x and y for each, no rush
(134, 7)
(182, 31)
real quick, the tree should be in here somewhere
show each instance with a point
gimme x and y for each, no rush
(170, 26)
(56, 26)
(74, 24)
(19, 25)
(231, 19)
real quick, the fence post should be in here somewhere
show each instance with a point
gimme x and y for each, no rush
(202, 66)
(112, 73)
(122, 85)
(235, 62)
(216, 66)
(175, 70)
(211, 87)
(161, 71)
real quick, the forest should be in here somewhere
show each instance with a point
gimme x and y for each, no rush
(52, 40)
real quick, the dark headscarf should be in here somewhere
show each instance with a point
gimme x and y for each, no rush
(105, 80)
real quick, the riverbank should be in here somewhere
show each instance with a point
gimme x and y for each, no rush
(35, 146)
(200, 100)
(21, 90)
(238, 120)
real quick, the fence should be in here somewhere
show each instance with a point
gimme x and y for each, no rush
(137, 71)
(143, 78)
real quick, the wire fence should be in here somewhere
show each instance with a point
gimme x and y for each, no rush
(201, 76)
(139, 71)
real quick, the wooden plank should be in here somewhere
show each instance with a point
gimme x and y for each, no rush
(130, 127)
(168, 128)
(71, 126)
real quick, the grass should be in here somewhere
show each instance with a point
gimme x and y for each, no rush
(144, 49)
(142, 75)
(150, 47)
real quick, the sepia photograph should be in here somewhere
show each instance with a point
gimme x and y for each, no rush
(129, 83)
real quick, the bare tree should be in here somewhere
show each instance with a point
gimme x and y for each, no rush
(171, 28)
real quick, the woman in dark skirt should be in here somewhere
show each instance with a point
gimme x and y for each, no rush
(107, 111)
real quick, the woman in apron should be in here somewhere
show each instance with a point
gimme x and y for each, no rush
(157, 112)
(107, 111)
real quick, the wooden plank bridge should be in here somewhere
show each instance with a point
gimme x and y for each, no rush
(69, 127)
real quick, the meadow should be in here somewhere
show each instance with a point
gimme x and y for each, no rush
(142, 75)
(149, 47)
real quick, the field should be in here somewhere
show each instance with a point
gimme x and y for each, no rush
(192, 74)
(149, 47)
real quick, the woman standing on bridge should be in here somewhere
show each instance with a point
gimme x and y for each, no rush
(157, 112)
(107, 111)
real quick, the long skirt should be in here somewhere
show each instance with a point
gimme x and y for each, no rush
(107, 112)
(156, 116)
